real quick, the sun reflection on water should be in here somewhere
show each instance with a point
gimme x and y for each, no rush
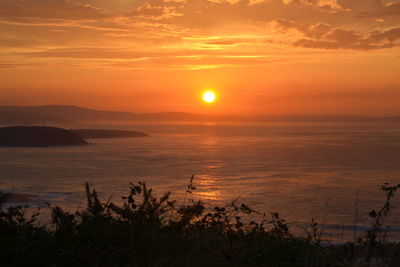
(207, 188)
(210, 141)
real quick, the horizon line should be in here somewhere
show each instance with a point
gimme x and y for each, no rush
(204, 114)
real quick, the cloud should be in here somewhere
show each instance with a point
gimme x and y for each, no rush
(325, 36)
(323, 4)
(47, 9)
(315, 31)
(372, 8)
(18, 41)
(392, 10)
(157, 12)
(58, 30)
(391, 35)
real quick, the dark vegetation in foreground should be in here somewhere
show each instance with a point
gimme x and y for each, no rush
(150, 231)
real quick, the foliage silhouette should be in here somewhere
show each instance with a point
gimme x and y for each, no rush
(148, 231)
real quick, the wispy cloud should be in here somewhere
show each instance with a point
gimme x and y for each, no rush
(325, 36)
(48, 9)
(213, 30)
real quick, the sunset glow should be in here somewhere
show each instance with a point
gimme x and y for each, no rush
(239, 108)
(272, 56)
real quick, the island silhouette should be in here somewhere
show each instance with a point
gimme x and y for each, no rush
(43, 136)
(38, 136)
(103, 133)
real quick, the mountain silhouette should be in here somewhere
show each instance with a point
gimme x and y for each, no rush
(69, 114)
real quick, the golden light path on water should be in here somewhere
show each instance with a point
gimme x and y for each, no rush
(207, 188)
(291, 169)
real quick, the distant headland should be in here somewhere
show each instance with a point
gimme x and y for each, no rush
(70, 115)
(38, 136)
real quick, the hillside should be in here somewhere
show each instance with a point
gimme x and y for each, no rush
(59, 114)
(24, 117)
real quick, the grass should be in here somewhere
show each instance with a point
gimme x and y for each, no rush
(149, 231)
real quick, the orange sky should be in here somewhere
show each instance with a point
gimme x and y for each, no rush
(261, 56)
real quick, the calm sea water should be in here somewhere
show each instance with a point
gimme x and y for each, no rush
(329, 172)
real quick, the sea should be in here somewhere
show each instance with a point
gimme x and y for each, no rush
(329, 173)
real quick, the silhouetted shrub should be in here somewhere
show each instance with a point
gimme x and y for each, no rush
(149, 231)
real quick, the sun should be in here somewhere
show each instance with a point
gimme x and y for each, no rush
(209, 97)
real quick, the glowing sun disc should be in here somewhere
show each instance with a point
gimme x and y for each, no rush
(209, 97)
